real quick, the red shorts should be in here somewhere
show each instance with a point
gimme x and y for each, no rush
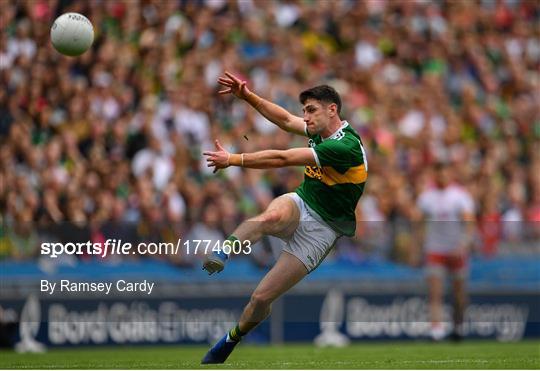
(451, 263)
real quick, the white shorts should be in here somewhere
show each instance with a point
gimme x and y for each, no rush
(313, 239)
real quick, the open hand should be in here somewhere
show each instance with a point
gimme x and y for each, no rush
(233, 85)
(218, 159)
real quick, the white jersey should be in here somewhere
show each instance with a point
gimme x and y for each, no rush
(443, 210)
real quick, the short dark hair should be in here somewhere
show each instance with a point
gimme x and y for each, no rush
(440, 165)
(322, 93)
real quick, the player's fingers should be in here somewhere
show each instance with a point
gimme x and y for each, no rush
(225, 91)
(232, 77)
(218, 145)
(225, 86)
(224, 81)
(227, 78)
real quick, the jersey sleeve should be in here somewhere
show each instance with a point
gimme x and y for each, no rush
(337, 153)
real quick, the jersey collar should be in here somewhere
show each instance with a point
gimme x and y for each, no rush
(335, 134)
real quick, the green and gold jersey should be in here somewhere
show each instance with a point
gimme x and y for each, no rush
(333, 187)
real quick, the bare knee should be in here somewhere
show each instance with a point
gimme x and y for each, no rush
(272, 220)
(271, 216)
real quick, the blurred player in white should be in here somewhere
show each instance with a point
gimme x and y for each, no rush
(448, 212)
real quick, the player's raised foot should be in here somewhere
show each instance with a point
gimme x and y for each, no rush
(220, 351)
(215, 262)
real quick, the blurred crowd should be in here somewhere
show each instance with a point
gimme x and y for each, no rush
(116, 135)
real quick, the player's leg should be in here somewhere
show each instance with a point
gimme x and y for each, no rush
(460, 303)
(435, 282)
(279, 219)
(306, 248)
(460, 297)
(286, 273)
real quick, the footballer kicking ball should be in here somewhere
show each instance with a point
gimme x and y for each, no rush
(72, 34)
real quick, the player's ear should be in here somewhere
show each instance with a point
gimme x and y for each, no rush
(332, 109)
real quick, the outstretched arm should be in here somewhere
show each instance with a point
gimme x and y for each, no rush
(221, 159)
(276, 114)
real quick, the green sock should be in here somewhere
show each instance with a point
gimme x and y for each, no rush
(232, 238)
(235, 333)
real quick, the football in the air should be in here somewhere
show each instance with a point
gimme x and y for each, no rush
(72, 34)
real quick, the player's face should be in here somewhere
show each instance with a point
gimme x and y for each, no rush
(442, 177)
(316, 116)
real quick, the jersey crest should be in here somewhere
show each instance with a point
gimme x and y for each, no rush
(313, 172)
(330, 176)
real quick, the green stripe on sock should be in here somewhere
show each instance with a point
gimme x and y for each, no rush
(235, 333)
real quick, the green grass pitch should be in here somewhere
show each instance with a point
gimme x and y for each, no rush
(380, 355)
